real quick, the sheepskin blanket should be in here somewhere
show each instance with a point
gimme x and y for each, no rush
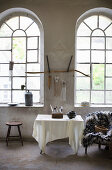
(100, 118)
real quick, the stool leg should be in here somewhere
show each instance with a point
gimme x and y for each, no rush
(20, 135)
(99, 146)
(86, 150)
(8, 134)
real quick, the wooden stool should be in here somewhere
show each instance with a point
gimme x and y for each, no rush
(10, 124)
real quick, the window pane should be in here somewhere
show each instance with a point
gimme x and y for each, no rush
(32, 43)
(83, 83)
(5, 83)
(36, 96)
(5, 30)
(18, 96)
(85, 68)
(97, 97)
(19, 50)
(5, 56)
(17, 82)
(83, 56)
(83, 43)
(33, 30)
(98, 32)
(109, 56)
(19, 33)
(25, 22)
(32, 56)
(98, 76)
(13, 23)
(109, 43)
(4, 69)
(19, 70)
(104, 22)
(83, 30)
(92, 21)
(109, 97)
(5, 96)
(5, 43)
(109, 83)
(97, 56)
(108, 31)
(109, 70)
(33, 68)
(82, 96)
(33, 83)
(98, 43)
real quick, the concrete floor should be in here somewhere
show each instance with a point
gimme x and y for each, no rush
(59, 156)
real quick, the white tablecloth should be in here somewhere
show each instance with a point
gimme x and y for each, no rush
(46, 129)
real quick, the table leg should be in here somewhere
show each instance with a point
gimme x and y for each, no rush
(40, 151)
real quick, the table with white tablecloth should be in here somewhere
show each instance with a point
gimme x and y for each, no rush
(47, 129)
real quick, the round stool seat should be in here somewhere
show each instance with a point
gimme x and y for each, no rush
(14, 123)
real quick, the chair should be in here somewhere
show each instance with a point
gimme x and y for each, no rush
(98, 129)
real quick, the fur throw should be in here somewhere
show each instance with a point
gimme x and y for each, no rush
(100, 119)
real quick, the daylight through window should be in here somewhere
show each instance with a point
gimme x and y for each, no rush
(19, 44)
(94, 57)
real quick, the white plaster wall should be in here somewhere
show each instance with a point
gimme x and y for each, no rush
(59, 19)
(26, 115)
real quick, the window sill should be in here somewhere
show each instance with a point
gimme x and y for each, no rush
(23, 106)
(93, 106)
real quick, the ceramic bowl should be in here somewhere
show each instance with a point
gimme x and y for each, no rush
(71, 114)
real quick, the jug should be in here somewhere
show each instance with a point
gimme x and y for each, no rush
(28, 98)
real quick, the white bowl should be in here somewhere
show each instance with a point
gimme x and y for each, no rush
(12, 104)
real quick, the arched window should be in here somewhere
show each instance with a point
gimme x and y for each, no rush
(94, 57)
(20, 52)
